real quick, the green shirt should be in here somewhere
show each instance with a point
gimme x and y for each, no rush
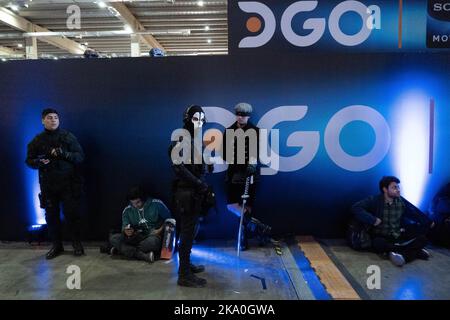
(392, 213)
(150, 217)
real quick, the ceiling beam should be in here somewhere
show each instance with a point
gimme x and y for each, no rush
(127, 16)
(5, 51)
(17, 22)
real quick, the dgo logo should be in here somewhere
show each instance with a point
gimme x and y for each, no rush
(369, 15)
(309, 141)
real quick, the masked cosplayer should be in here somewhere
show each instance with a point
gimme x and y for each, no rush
(240, 167)
(190, 191)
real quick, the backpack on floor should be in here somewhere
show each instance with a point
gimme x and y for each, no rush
(358, 236)
(440, 215)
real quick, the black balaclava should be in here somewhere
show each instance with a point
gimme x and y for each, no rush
(187, 118)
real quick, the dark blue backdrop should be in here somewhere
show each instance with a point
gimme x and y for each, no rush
(124, 110)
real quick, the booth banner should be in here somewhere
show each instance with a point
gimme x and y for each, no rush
(350, 26)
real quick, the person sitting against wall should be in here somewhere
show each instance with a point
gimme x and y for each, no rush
(440, 215)
(142, 227)
(396, 227)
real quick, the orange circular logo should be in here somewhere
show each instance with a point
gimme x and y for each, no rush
(253, 24)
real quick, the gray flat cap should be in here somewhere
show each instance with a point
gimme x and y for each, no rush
(243, 108)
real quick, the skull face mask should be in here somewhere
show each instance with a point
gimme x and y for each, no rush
(198, 119)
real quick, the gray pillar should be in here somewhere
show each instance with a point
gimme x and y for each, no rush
(31, 48)
(135, 46)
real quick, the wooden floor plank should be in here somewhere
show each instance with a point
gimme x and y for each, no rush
(330, 276)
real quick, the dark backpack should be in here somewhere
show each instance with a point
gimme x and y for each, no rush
(358, 236)
(440, 215)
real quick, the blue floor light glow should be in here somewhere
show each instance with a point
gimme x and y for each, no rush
(37, 231)
(31, 177)
(209, 253)
(37, 214)
(411, 289)
(411, 136)
(35, 226)
(40, 213)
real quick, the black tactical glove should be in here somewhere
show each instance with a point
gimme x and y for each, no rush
(60, 153)
(203, 188)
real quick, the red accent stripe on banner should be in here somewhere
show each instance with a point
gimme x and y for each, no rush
(400, 19)
(431, 147)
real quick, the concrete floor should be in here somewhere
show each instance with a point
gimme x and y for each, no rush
(418, 280)
(25, 274)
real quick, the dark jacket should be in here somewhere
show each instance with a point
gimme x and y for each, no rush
(238, 172)
(368, 210)
(188, 175)
(191, 193)
(440, 205)
(60, 168)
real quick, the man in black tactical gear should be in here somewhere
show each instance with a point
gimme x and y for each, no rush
(57, 154)
(189, 191)
(243, 163)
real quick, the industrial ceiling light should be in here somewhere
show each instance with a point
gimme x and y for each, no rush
(128, 28)
(101, 4)
(19, 45)
(200, 3)
(17, 4)
(113, 11)
(209, 40)
(207, 28)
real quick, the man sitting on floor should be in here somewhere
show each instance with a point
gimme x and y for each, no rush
(398, 228)
(142, 227)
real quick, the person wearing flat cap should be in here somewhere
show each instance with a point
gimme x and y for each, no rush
(243, 163)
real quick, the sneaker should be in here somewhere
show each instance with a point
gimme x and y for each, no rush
(397, 259)
(197, 268)
(113, 251)
(148, 257)
(191, 280)
(423, 254)
(151, 256)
